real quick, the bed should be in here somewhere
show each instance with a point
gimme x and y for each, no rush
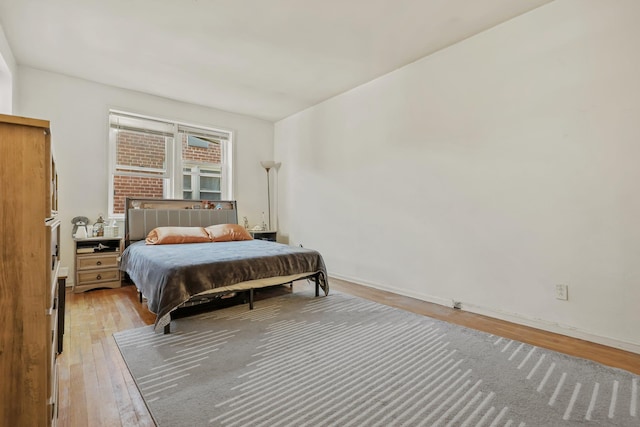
(171, 276)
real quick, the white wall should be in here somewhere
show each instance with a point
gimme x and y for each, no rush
(487, 173)
(7, 75)
(78, 112)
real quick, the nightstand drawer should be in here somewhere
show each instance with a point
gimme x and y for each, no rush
(98, 276)
(98, 261)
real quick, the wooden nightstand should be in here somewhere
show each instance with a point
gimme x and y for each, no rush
(270, 235)
(97, 263)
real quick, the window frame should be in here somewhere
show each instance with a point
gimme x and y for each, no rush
(173, 174)
(196, 186)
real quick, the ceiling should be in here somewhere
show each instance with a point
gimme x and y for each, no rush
(264, 58)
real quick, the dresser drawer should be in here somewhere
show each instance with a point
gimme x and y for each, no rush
(54, 398)
(53, 326)
(98, 261)
(52, 347)
(98, 276)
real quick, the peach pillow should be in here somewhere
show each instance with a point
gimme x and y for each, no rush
(173, 235)
(227, 232)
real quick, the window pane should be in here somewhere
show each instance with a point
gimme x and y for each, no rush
(186, 182)
(140, 150)
(200, 149)
(210, 196)
(135, 186)
(187, 195)
(209, 183)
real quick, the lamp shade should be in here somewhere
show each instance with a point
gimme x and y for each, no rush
(268, 164)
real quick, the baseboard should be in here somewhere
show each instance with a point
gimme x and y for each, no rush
(553, 327)
(502, 315)
(403, 292)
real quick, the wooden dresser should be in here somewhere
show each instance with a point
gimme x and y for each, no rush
(29, 263)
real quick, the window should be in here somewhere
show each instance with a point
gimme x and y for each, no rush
(161, 159)
(201, 183)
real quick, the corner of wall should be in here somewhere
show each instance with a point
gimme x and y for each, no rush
(8, 73)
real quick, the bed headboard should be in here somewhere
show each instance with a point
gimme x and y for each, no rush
(143, 215)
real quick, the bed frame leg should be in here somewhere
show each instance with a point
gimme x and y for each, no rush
(251, 299)
(317, 280)
(167, 328)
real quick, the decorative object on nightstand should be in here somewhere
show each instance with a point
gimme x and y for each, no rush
(98, 227)
(268, 165)
(112, 230)
(97, 263)
(80, 224)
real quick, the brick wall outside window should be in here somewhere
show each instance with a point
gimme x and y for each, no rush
(199, 154)
(135, 186)
(144, 150)
(141, 150)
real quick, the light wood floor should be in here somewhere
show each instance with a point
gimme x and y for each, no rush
(96, 388)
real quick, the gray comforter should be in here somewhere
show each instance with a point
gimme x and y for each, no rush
(168, 275)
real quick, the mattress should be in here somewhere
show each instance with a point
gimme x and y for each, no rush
(170, 275)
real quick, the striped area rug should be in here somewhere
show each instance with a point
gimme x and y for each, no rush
(298, 360)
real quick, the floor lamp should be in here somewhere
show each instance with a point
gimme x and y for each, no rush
(268, 165)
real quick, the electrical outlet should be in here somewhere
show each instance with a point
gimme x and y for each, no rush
(562, 292)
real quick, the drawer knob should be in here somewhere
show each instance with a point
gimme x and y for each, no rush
(99, 263)
(99, 276)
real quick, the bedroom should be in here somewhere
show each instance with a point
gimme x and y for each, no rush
(505, 165)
